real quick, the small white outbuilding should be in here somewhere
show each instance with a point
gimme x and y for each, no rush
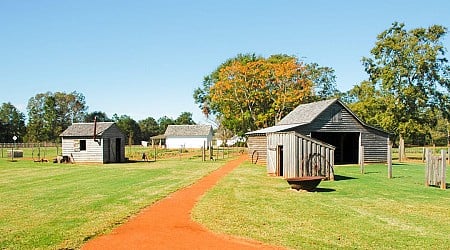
(101, 142)
(188, 136)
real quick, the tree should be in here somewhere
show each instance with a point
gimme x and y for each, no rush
(324, 81)
(249, 92)
(149, 127)
(185, 118)
(51, 113)
(12, 123)
(164, 122)
(130, 127)
(101, 117)
(410, 78)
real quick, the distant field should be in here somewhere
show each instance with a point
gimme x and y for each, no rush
(354, 212)
(60, 206)
(133, 152)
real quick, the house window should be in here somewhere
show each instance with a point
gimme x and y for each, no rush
(82, 145)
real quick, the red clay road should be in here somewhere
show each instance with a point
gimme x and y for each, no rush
(167, 224)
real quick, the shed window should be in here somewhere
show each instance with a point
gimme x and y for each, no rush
(82, 145)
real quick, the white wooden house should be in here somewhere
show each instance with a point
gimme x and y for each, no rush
(101, 142)
(188, 136)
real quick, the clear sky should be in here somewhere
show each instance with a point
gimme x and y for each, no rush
(145, 58)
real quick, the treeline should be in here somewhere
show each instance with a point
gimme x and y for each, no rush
(49, 114)
(407, 93)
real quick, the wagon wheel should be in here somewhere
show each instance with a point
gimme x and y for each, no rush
(314, 163)
(255, 157)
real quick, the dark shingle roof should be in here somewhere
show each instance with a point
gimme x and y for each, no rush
(306, 113)
(86, 129)
(188, 130)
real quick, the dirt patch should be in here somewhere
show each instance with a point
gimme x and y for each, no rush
(167, 224)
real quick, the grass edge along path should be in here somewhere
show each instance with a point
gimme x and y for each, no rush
(354, 212)
(60, 206)
(168, 224)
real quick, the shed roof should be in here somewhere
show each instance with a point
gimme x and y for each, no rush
(188, 130)
(86, 129)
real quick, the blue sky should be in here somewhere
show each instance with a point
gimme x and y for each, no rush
(145, 58)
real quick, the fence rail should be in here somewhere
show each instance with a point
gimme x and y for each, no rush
(29, 144)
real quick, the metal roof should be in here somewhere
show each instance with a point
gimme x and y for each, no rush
(276, 128)
(188, 130)
(86, 129)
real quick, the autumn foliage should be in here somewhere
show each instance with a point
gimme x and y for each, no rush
(250, 92)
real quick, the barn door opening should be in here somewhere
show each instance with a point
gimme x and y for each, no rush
(118, 147)
(280, 171)
(346, 143)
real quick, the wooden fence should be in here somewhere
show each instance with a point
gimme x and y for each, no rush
(291, 155)
(435, 169)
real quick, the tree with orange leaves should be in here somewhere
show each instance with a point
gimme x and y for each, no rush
(250, 92)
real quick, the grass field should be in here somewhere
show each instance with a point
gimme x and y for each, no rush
(354, 212)
(55, 206)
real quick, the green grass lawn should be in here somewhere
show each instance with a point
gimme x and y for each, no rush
(355, 212)
(54, 206)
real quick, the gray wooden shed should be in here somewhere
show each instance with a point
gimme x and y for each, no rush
(101, 142)
(331, 122)
(290, 154)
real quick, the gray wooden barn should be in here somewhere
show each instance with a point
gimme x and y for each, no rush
(330, 122)
(101, 142)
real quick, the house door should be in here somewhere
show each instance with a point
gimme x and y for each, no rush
(118, 147)
(280, 171)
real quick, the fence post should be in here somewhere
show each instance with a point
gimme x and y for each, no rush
(389, 158)
(401, 149)
(427, 166)
(423, 154)
(203, 151)
(361, 158)
(443, 169)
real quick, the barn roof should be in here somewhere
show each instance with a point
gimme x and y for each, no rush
(86, 129)
(306, 113)
(188, 130)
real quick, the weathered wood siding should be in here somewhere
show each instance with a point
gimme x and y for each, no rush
(302, 156)
(375, 145)
(257, 148)
(93, 152)
(103, 149)
(337, 119)
(109, 141)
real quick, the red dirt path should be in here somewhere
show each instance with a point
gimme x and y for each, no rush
(167, 224)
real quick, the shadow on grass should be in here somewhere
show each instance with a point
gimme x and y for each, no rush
(139, 161)
(343, 178)
(373, 172)
(324, 190)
